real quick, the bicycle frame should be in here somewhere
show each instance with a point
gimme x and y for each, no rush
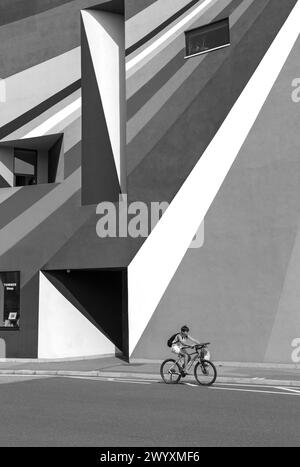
(192, 360)
(203, 366)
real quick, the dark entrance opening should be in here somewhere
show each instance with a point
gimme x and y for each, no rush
(101, 296)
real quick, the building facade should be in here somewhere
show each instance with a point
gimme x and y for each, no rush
(111, 109)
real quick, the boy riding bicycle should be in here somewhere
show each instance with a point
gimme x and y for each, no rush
(178, 345)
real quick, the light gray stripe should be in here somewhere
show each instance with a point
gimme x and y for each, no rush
(152, 107)
(165, 55)
(29, 41)
(24, 130)
(39, 83)
(150, 18)
(144, 56)
(17, 229)
(6, 193)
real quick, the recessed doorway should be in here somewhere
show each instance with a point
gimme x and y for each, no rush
(25, 167)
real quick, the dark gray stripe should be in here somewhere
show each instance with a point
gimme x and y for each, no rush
(152, 86)
(38, 246)
(133, 7)
(14, 10)
(113, 6)
(161, 122)
(72, 159)
(160, 28)
(18, 203)
(3, 184)
(38, 110)
(160, 175)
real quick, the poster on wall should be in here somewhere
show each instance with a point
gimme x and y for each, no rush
(9, 300)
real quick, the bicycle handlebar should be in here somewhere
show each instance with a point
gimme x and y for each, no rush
(196, 346)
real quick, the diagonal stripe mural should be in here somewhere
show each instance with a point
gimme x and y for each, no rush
(101, 99)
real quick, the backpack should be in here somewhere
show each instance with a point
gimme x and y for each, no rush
(170, 340)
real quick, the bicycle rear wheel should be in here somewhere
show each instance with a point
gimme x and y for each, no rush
(170, 371)
(205, 373)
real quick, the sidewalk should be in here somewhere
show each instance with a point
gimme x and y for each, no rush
(115, 367)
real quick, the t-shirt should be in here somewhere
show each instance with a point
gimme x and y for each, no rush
(179, 340)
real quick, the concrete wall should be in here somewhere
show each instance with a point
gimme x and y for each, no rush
(240, 290)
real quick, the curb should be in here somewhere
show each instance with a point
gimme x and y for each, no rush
(60, 360)
(155, 377)
(264, 366)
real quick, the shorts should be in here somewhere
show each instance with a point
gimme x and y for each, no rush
(176, 349)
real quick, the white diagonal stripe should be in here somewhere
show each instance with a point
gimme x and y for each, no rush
(6, 173)
(51, 122)
(134, 61)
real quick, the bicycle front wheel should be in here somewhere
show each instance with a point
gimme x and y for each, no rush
(170, 371)
(205, 373)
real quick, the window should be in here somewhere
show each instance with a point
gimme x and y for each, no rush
(25, 167)
(9, 300)
(207, 38)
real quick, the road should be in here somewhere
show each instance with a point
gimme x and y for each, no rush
(44, 411)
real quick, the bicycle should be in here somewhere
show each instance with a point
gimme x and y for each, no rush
(205, 372)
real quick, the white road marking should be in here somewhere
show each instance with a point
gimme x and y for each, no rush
(131, 382)
(255, 391)
(16, 375)
(110, 380)
(289, 389)
(245, 385)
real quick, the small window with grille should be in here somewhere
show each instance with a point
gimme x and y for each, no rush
(207, 38)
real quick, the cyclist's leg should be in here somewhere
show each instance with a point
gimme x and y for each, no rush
(186, 357)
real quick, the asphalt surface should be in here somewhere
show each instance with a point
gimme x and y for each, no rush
(38, 411)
